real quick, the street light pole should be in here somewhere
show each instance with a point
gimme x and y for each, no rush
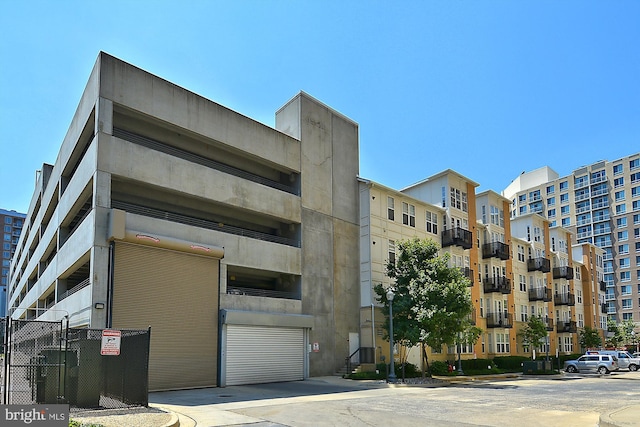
(392, 374)
(460, 371)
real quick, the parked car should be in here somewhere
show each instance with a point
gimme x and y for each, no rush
(625, 360)
(600, 363)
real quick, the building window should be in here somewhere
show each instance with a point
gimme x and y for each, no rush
(521, 253)
(432, 223)
(621, 222)
(624, 262)
(390, 208)
(623, 249)
(522, 198)
(627, 316)
(566, 222)
(551, 201)
(7, 237)
(620, 209)
(634, 164)
(598, 176)
(523, 313)
(618, 169)
(618, 182)
(551, 213)
(625, 276)
(392, 252)
(7, 220)
(636, 205)
(551, 189)
(564, 185)
(564, 210)
(408, 214)
(564, 198)
(581, 181)
(627, 303)
(625, 290)
(465, 207)
(635, 177)
(619, 195)
(623, 235)
(523, 285)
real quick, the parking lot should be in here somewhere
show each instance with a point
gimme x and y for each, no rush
(560, 400)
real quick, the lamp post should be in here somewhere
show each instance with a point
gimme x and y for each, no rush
(392, 372)
(460, 371)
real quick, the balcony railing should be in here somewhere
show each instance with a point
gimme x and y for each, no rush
(603, 308)
(540, 294)
(567, 327)
(603, 286)
(563, 272)
(495, 250)
(468, 273)
(581, 184)
(564, 299)
(499, 320)
(548, 323)
(539, 264)
(457, 237)
(582, 196)
(496, 284)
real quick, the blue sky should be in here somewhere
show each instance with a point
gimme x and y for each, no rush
(487, 88)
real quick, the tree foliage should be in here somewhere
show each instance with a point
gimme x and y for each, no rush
(533, 333)
(432, 301)
(589, 338)
(615, 334)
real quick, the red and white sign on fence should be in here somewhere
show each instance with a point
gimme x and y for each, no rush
(110, 343)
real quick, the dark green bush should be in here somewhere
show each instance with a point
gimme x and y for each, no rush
(439, 368)
(510, 363)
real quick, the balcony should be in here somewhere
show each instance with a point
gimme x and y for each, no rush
(457, 237)
(603, 308)
(548, 323)
(581, 184)
(582, 196)
(495, 250)
(499, 320)
(603, 286)
(468, 273)
(496, 284)
(564, 299)
(540, 294)
(563, 272)
(567, 327)
(539, 264)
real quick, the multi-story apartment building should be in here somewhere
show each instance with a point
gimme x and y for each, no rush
(12, 222)
(234, 241)
(600, 204)
(518, 267)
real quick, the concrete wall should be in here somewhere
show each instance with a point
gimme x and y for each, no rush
(330, 233)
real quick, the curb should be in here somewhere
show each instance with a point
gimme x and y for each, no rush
(173, 422)
(621, 417)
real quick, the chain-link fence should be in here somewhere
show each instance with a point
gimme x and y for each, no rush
(47, 362)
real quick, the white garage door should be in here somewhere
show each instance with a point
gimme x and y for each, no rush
(259, 354)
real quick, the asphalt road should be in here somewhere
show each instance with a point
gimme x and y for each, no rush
(566, 400)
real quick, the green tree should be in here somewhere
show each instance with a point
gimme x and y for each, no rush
(432, 301)
(533, 333)
(589, 338)
(615, 334)
(627, 331)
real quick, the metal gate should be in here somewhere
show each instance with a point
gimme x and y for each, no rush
(48, 363)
